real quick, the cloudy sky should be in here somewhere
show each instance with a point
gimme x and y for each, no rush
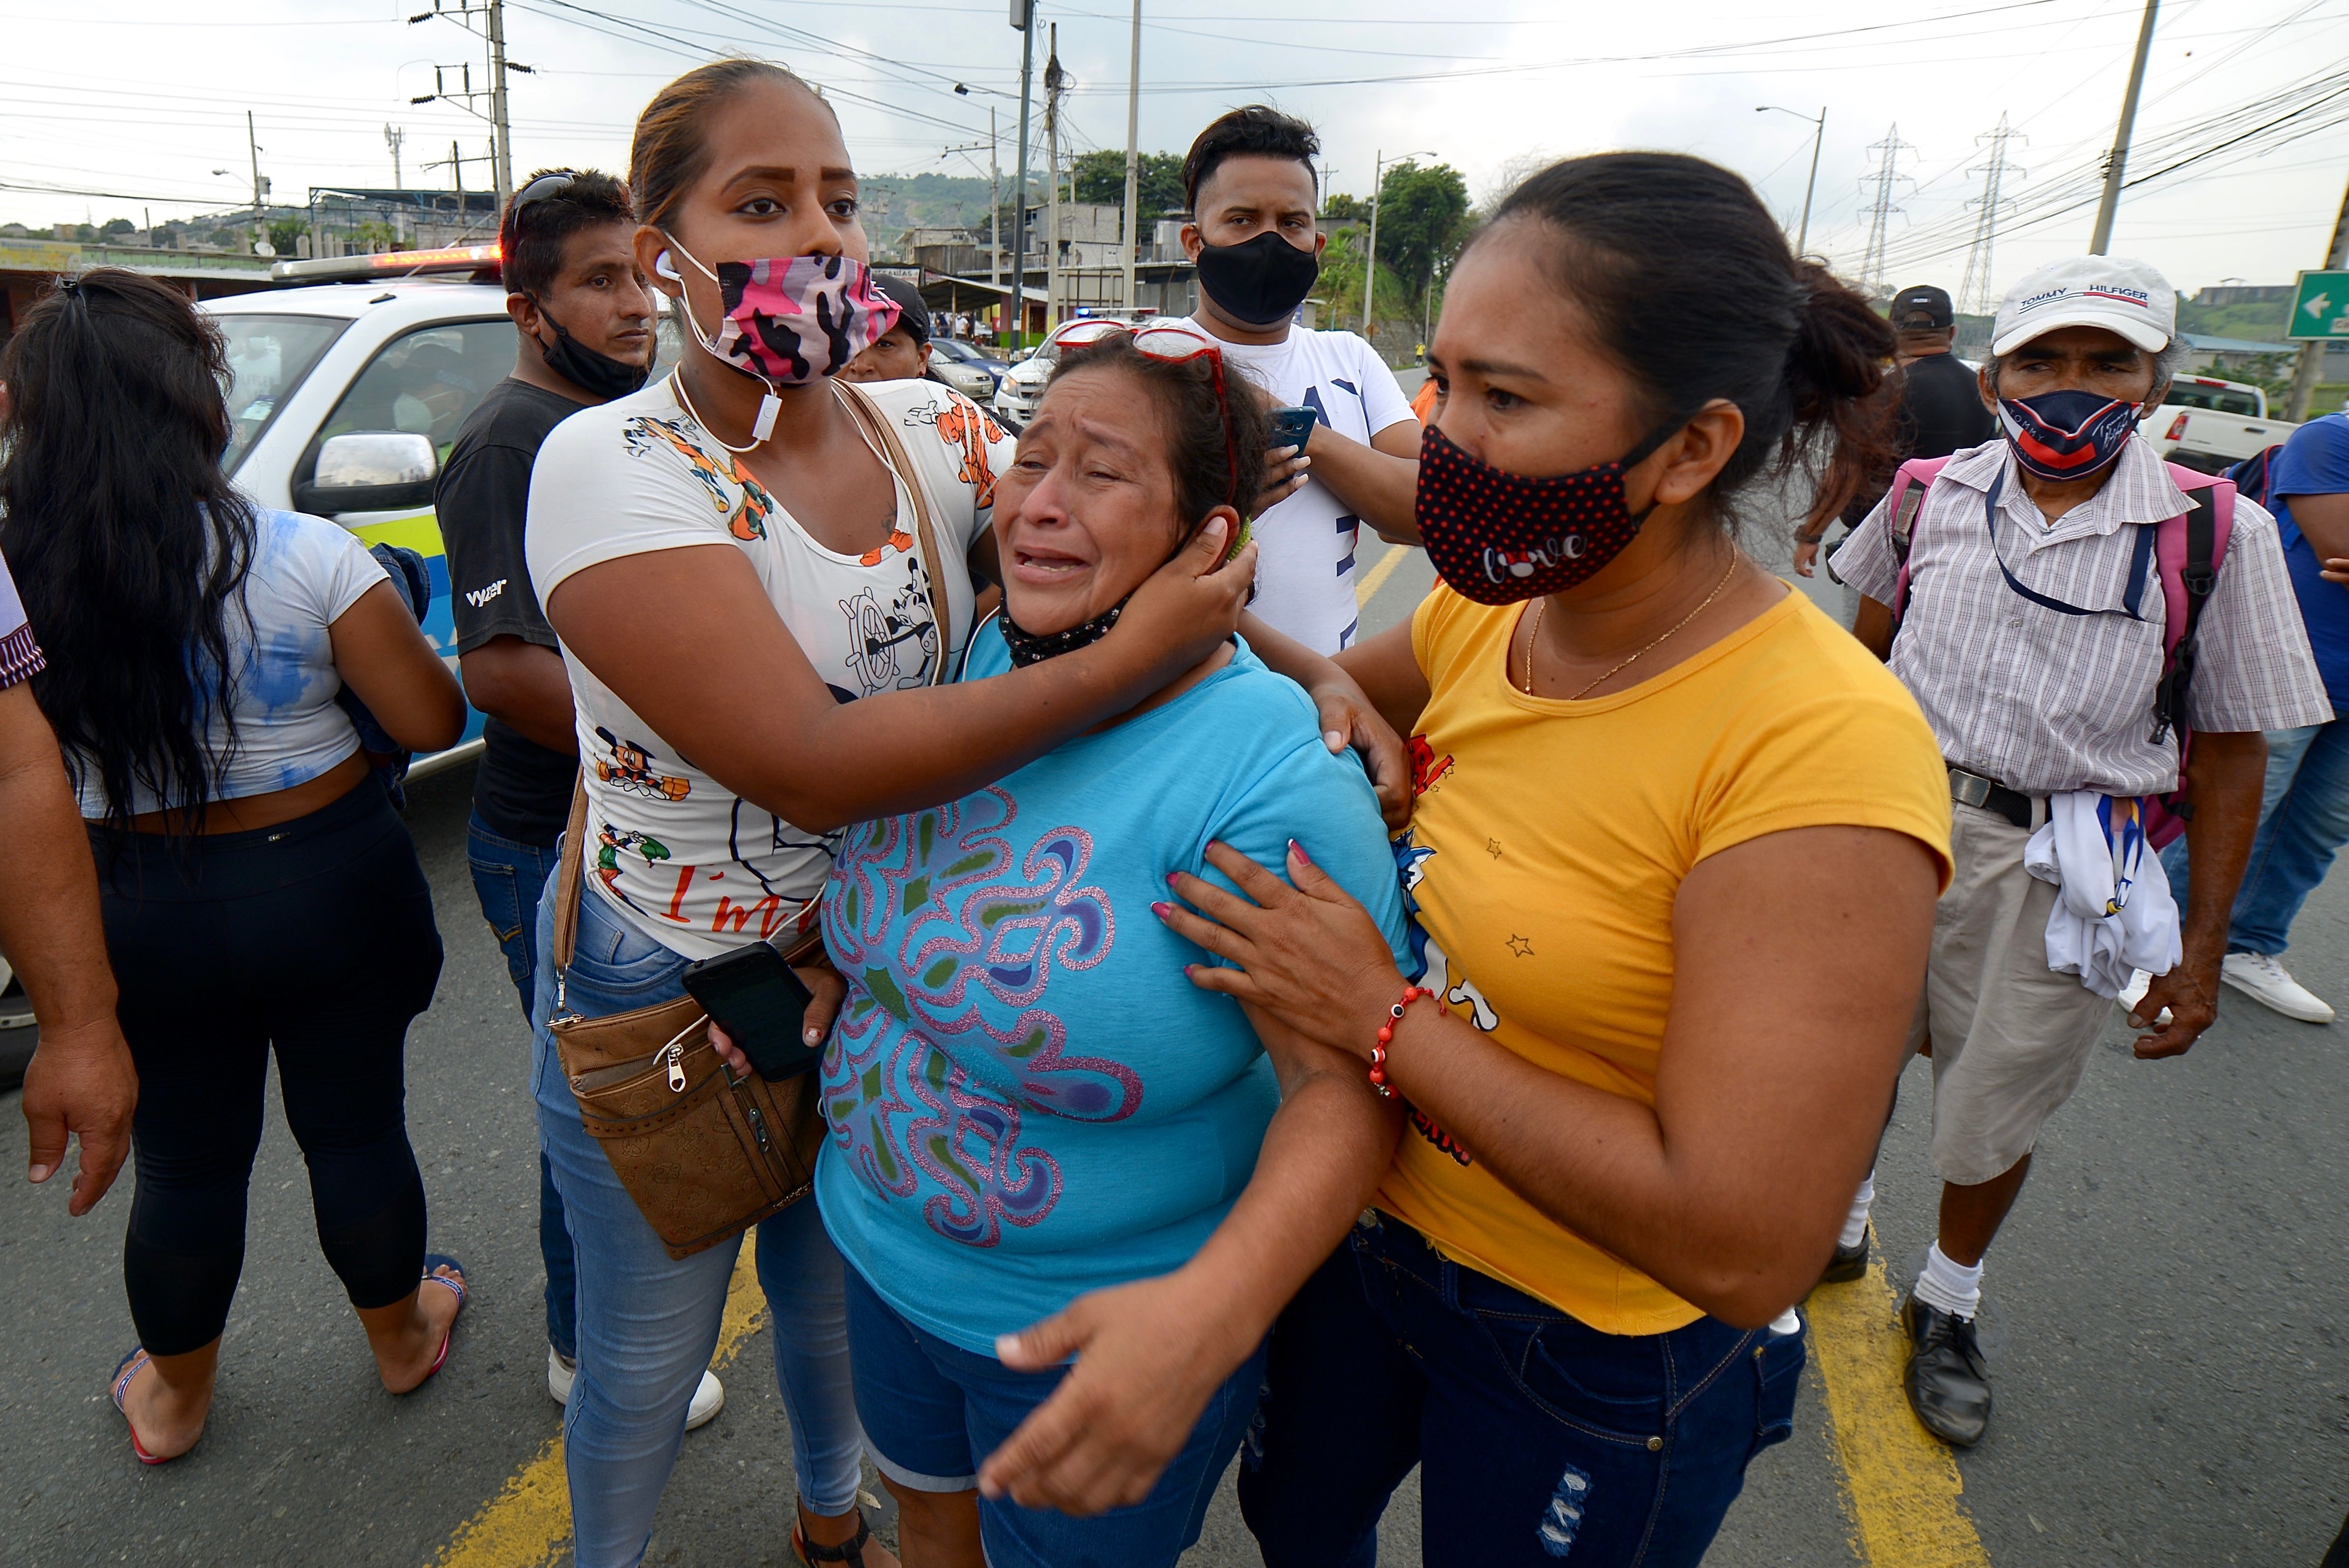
(115, 106)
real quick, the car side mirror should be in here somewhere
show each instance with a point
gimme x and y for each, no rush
(370, 470)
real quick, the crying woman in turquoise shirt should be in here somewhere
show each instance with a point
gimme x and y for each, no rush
(1046, 1141)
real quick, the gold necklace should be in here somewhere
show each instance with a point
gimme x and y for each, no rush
(1543, 602)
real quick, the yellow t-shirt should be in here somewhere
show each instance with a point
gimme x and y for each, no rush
(1547, 847)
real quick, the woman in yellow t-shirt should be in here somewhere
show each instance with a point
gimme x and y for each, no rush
(1654, 785)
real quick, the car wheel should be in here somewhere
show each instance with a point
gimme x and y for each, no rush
(19, 1033)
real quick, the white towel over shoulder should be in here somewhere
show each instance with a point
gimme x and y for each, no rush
(2116, 915)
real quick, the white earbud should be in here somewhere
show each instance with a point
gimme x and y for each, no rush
(664, 267)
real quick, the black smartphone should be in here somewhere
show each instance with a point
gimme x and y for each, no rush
(1290, 427)
(763, 1005)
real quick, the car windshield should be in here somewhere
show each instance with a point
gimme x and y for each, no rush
(268, 355)
(2219, 400)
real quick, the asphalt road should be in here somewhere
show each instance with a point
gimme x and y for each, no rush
(2171, 1384)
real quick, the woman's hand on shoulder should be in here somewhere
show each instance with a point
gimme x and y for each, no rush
(1349, 718)
(1307, 956)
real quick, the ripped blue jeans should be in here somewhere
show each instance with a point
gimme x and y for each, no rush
(1539, 1439)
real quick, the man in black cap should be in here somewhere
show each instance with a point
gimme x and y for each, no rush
(901, 353)
(1940, 409)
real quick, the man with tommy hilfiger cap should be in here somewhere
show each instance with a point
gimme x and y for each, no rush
(2035, 585)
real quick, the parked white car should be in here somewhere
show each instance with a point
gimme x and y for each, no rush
(2211, 425)
(1023, 386)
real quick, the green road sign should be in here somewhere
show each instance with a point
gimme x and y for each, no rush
(2319, 306)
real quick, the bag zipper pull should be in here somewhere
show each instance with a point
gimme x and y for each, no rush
(675, 1055)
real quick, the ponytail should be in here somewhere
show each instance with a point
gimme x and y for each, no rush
(1691, 288)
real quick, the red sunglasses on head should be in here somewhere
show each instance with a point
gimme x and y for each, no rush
(1170, 345)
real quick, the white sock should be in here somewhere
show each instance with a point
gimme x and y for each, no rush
(1950, 1286)
(1854, 1228)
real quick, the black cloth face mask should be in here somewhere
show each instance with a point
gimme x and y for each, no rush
(584, 369)
(1261, 281)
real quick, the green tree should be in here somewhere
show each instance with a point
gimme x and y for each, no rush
(286, 235)
(1341, 208)
(113, 226)
(1423, 219)
(1101, 177)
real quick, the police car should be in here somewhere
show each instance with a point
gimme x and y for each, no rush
(345, 395)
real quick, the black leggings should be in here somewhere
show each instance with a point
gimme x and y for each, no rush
(316, 937)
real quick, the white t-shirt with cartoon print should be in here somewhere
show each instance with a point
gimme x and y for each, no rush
(684, 859)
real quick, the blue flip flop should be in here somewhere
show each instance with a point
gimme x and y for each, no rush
(124, 1371)
(435, 1261)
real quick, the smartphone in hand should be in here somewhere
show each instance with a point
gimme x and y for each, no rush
(1290, 427)
(754, 996)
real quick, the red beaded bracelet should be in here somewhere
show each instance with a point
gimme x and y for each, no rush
(1386, 1035)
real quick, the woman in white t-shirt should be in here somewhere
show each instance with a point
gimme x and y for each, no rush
(259, 893)
(751, 616)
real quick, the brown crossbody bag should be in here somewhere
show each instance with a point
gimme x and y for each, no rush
(705, 1154)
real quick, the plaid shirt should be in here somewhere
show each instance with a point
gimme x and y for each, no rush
(20, 655)
(2044, 702)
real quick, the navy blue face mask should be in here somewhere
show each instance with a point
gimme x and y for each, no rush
(2066, 435)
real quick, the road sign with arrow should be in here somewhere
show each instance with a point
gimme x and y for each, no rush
(2319, 306)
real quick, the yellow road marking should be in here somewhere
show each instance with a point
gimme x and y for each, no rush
(529, 1522)
(1902, 1486)
(1370, 582)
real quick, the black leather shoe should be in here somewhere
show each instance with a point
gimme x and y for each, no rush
(1949, 1382)
(1848, 1264)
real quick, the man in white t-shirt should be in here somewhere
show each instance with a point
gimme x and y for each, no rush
(1249, 181)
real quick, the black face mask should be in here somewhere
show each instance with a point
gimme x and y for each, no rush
(584, 369)
(1261, 281)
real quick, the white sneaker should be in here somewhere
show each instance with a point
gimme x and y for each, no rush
(708, 1395)
(2270, 985)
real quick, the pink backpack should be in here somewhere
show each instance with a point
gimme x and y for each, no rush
(2186, 551)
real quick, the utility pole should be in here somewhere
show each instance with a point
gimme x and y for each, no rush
(1974, 292)
(1378, 189)
(2117, 163)
(1023, 16)
(392, 137)
(260, 190)
(1880, 212)
(503, 167)
(1818, 137)
(2312, 354)
(1053, 79)
(492, 31)
(995, 204)
(1133, 154)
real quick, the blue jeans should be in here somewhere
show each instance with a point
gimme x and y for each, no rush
(508, 877)
(934, 1411)
(647, 1322)
(2304, 822)
(1537, 1436)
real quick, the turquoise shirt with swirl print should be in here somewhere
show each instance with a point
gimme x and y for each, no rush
(1027, 1097)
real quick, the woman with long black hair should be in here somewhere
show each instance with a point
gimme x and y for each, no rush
(257, 889)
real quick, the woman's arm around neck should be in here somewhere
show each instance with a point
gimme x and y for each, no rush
(688, 639)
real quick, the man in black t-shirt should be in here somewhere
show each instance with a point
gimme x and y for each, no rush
(1940, 411)
(586, 318)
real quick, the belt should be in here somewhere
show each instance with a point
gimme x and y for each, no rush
(1973, 789)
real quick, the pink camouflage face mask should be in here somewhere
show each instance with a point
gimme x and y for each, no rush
(791, 319)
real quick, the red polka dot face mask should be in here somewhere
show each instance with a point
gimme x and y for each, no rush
(1499, 538)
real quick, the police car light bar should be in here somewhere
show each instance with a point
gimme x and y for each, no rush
(388, 264)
